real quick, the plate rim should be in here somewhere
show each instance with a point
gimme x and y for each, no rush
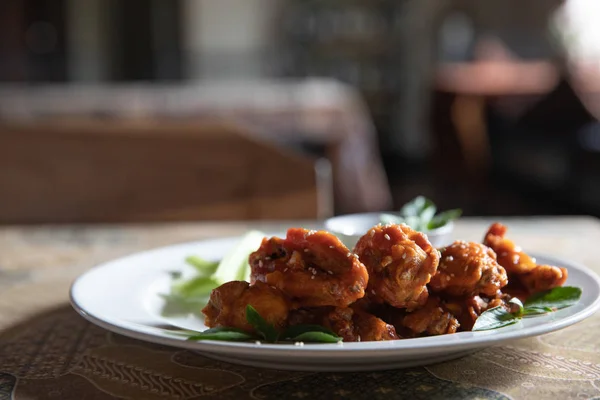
(347, 349)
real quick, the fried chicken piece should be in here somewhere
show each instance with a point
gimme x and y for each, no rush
(468, 309)
(543, 277)
(370, 328)
(520, 266)
(510, 256)
(400, 262)
(432, 319)
(313, 268)
(465, 309)
(515, 288)
(468, 269)
(227, 305)
(353, 325)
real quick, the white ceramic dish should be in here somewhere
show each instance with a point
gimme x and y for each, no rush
(350, 227)
(123, 296)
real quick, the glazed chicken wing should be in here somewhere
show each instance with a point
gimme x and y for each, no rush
(468, 309)
(510, 256)
(543, 277)
(353, 325)
(468, 269)
(432, 319)
(371, 328)
(520, 266)
(227, 305)
(313, 268)
(400, 262)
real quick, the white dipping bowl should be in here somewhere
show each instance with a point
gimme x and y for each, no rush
(350, 227)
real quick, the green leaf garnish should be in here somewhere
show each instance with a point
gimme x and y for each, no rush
(296, 330)
(533, 311)
(391, 219)
(264, 329)
(414, 222)
(198, 287)
(318, 337)
(190, 294)
(443, 218)
(204, 267)
(520, 311)
(414, 207)
(555, 299)
(419, 214)
(494, 318)
(539, 303)
(426, 215)
(223, 333)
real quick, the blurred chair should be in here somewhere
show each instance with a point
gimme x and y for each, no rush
(113, 171)
(326, 116)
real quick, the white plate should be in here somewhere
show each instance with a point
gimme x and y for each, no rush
(123, 296)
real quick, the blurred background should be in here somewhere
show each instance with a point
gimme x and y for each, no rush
(150, 110)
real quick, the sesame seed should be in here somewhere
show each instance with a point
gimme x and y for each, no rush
(285, 270)
(306, 250)
(404, 256)
(447, 278)
(260, 263)
(312, 232)
(330, 272)
(449, 258)
(358, 338)
(387, 237)
(267, 258)
(373, 292)
(372, 232)
(349, 255)
(466, 268)
(312, 277)
(452, 275)
(387, 260)
(299, 344)
(257, 343)
(503, 254)
(331, 247)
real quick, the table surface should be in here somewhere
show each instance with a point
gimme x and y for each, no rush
(48, 351)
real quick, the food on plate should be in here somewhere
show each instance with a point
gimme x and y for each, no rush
(313, 268)
(191, 292)
(227, 305)
(543, 277)
(393, 285)
(433, 319)
(400, 262)
(468, 269)
(520, 266)
(510, 256)
(467, 309)
(351, 324)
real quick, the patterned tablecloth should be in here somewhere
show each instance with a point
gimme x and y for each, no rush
(47, 351)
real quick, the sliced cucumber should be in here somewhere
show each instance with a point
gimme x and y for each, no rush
(234, 266)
